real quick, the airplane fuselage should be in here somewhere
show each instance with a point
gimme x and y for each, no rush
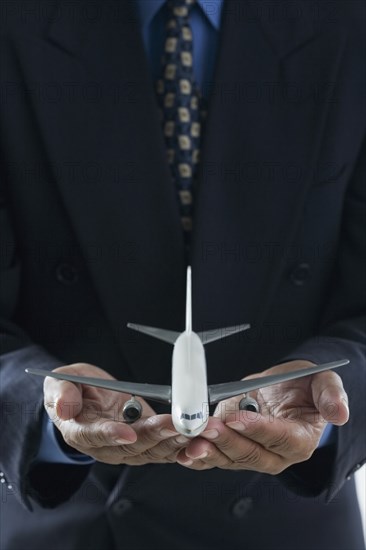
(189, 385)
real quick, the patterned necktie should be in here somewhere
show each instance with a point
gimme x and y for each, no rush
(181, 106)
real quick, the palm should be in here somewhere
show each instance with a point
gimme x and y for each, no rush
(96, 403)
(292, 402)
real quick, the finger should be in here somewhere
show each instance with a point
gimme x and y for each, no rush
(152, 430)
(287, 437)
(262, 444)
(163, 452)
(330, 397)
(62, 399)
(161, 445)
(220, 447)
(145, 433)
(253, 449)
(234, 453)
(84, 436)
(192, 464)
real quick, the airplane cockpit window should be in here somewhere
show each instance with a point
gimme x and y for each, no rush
(185, 416)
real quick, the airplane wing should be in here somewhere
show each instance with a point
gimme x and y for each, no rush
(211, 335)
(169, 336)
(154, 392)
(219, 392)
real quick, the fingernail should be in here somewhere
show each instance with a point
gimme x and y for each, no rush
(168, 433)
(239, 426)
(210, 434)
(181, 439)
(186, 463)
(121, 441)
(202, 455)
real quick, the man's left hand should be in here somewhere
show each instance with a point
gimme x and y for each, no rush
(286, 431)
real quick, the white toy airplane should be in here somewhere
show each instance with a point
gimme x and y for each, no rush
(189, 394)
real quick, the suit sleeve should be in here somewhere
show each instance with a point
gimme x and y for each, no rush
(342, 335)
(21, 395)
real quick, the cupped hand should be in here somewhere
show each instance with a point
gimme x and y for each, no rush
(286, 431)
(90, 420)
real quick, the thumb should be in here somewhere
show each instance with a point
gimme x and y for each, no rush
(63, 400)
(330, 397)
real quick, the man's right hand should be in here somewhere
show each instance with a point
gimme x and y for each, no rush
(90, 421)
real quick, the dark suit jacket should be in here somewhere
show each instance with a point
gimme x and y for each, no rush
(91, 239)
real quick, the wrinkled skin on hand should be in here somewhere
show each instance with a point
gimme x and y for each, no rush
(90, 421)
(287, 429)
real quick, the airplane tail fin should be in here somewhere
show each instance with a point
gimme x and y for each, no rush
(189, 301)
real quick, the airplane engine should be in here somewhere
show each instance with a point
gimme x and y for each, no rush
(132, 410)
(248, 404)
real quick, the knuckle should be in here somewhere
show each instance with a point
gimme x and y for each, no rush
(256, 430)
(224, 463)
(301, 455)
(306, 454)
(86, 440)
(148, 431)
(68, 438)
(252, 457)
(168, 447)
(153, 454)
(126, 451)
(305, 450)
(276, 469)
(280, 442)
(225, 443)
(82, 437)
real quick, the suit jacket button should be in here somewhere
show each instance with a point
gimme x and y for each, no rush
(300, 274)
(67, 274)
(121, 506)
(241, 507)
(354, 469)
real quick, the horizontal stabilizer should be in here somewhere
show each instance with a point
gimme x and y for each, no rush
(219, 392)
(219, 333)
(169, 336)
(154, 392)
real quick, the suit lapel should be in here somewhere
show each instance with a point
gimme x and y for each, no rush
(106, 145)
(263, 139)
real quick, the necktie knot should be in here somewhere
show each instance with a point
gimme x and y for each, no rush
(180, 8)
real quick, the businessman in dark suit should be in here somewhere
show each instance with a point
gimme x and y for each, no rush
(92, 239)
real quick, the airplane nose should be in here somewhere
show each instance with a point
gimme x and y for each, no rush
(188, 432)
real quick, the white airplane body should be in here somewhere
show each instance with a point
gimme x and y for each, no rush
(189, 385)
(189, 394)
